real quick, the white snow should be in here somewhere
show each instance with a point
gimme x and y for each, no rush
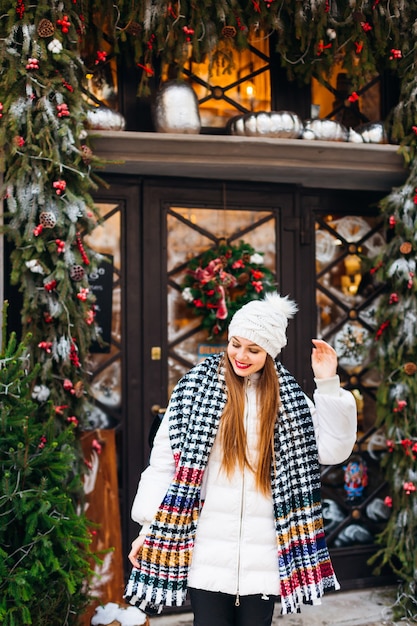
(111, 612)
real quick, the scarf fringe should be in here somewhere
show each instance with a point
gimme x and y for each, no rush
(308, 594)
(149, 599)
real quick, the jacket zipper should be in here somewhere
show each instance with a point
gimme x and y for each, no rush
(237, 600)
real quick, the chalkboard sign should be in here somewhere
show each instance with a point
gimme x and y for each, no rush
(101, 285)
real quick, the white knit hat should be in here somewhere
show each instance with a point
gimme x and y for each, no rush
(264, 322)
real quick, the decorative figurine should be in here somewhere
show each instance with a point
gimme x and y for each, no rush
(356, 479)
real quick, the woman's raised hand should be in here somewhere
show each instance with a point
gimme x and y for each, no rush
(323, 359)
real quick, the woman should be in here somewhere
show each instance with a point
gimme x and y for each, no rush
(230, 503)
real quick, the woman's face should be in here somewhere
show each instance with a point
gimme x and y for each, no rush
(245, 356)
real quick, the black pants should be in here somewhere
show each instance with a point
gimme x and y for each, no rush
(219, 609)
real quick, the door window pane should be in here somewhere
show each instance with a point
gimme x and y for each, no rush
(233, 83)
(347, 298)
(105, 362)
(191, 231)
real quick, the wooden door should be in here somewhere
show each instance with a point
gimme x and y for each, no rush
(181, 223)
(167, 222)
(161, 225)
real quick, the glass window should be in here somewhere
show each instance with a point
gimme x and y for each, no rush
(232, 83)
(346, 298)
(191, 231)
(105, 363)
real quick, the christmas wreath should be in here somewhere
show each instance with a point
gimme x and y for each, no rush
(221, 280)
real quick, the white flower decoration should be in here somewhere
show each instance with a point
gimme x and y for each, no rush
(256, 259)
(55, 46)
(34, 266)
(41, 393)
(187, 295)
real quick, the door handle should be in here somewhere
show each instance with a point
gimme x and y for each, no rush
(156, 409)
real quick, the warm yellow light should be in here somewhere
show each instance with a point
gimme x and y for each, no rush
(250, 90)
(89, 76)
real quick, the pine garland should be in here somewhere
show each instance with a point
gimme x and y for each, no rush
(48, 177)
(396, 343)
(368, 36)
(46, 190)
(404, 117)
(397, 393)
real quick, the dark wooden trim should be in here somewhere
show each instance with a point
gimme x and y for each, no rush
(287, 95)
(313, 164)
(132, 429)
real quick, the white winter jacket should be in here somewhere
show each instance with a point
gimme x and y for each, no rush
(235, 547)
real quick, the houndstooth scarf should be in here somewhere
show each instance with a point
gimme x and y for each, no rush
(196, 406)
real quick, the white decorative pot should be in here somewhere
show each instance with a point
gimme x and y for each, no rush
(325, 130)
(176, 109)
(281, 124)
(103, 118)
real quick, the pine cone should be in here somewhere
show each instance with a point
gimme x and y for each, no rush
(410, 368)
(406, 247)
(229, 32)
(243, 278)
(87, 154)
(77, 272)
(45, 28)
(134, 29)
(79, 389)
(47, 219)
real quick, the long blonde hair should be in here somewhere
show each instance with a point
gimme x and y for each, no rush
(232, 430)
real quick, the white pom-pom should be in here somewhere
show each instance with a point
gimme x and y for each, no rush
(282, 304)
